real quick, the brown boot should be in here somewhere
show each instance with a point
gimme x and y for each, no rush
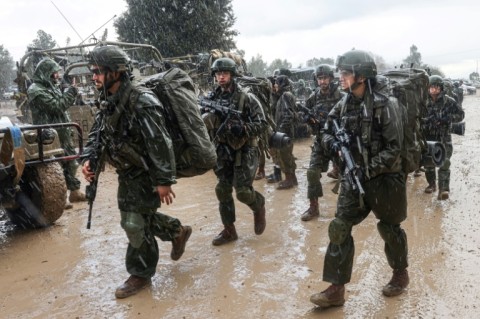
(260, 173)
(430, 189)
(312, 211)
(179, 242)
(77, 196)
(442, 195)
(334, 173)
(397, 284)
(259, 220)
(130, 287)
(68, 205)
(227, 235)
(289, 182)
(417, 173)
(334, 295)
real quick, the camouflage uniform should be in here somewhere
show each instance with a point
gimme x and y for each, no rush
(320, 105)
(284, 115)
(49, 106)
(237, 157)
(439, 117)
(137, 144)
(385, 191)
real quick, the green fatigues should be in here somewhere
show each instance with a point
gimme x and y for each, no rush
(284, 113)
(444, 111)
(385, 192)
(137, 144)
(321, 105)
(237, 157)
(49, 106)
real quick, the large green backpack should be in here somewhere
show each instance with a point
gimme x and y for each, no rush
(194, 152)
(410, 87)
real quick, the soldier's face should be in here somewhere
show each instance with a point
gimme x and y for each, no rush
(323, 82)
(223, 78)
(347, 79)
(434, 90)
(98, 76)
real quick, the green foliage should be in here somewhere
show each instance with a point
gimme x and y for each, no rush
(43, 41)
(278, 64)
(315, 62)
(179, 27)
(474, 76)
(7, 74)
(257, 67)
(433, 70)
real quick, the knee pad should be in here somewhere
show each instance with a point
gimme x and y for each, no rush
(223, 192)
(134, 226)
(313, 175)
(338, 231)
(245, 195)
(387, 231)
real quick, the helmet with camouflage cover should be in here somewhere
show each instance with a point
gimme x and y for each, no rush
(436, 80)
(224, 64)
(324, 70)
(359, 62)
(111, 57)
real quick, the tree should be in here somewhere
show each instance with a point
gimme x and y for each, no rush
(433, 70)
(278, 64)
(7, 73)
(315, 62)
(414, 58)
(473, 76)
(179, 27)
(43, 41)
(257, 66)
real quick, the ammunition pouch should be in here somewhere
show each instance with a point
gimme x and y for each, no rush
(124, 156)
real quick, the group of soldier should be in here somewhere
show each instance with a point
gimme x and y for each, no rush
(365, 110)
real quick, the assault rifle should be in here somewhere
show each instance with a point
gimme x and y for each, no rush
(351, 169)
(309, 115)
(96, 163)
(222, 108)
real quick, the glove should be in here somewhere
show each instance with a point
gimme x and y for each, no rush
(237, 129)
(335, 148)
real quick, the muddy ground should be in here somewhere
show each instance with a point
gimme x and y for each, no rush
(67, 271)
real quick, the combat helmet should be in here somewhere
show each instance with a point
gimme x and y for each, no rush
(359, 62)
(110, 56)
(324, 70)
(224, 64)
(436, 80)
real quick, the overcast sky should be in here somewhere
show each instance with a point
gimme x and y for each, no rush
(445, 32)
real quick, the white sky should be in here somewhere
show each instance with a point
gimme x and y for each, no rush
(445, 32)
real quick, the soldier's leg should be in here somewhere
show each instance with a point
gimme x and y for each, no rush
(396, 248)
(69, 167)
(444, 170)
(288, 166)
(431, 177)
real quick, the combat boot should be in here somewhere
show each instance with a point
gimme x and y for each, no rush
(430, 188)
(276, 176)
(179, 242)
(334, 173)
(334, 295)
(260, 173)
(259, 220)
(77, 196)
(417, 173)
(68, 205)
(442, 195)
(130, 287)
(289, 182)
(312, 211)
(397, 284)
(227, 235)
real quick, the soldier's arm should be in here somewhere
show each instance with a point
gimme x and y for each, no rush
(257, 123)
(52, 104)
(457, 112)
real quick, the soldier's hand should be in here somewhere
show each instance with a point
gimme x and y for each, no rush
(88, 174)
(166, 194)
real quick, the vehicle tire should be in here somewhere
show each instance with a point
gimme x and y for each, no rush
(42, 198)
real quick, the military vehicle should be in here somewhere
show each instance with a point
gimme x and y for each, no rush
(33, 191)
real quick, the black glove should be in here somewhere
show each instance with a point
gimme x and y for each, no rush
(335, 148)
(237, 128)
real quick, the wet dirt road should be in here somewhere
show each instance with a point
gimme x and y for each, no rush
(67, 271)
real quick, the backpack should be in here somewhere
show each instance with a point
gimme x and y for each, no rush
(194, 152)
(410, 87)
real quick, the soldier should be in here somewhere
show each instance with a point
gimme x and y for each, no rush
(130, 129)
(442, 111)
(237, 151)
(303, 91)
(458, 92)
(49, 105)
(320, 103)
(284, 114)
(369, 116)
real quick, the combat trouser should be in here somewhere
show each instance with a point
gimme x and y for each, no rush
(286, 160)
(443, 171)
(69, 167)
(385, 195)
(237, 172)
(318, 164)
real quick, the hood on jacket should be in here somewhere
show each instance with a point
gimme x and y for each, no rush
(44, 70)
